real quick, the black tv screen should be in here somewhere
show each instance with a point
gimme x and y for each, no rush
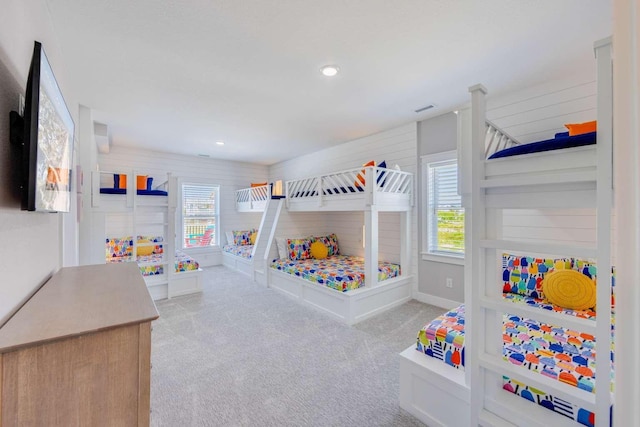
(47, 158)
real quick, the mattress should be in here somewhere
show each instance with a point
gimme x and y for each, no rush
(153, 263)
(558, 353)
(339, 272)
(243, 251)
(562, 140)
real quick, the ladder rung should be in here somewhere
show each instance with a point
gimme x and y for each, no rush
(572, 394)
(542, 179)
(542, 248)
(546, 316)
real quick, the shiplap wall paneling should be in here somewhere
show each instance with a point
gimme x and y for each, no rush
(539, 113)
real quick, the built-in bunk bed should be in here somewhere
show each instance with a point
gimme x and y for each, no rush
(245, 248)
(348, 288)
(135, 219)
(522, 351)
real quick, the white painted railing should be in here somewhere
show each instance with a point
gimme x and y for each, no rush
(368, 180)
(496, 139)
(252, 198)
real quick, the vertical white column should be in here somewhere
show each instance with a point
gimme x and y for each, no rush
(626, 125)
(371, 247)
(405, 243)
(604, 200)
(474, 338)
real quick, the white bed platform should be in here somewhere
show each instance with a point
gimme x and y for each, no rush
(240, 264)
(432, 391)
(253, 199)
(349, 307)
(183, 283)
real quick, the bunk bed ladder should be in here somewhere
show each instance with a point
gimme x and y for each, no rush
(489, 405)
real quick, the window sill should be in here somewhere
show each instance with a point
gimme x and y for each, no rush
(202, 249)
(447, 259)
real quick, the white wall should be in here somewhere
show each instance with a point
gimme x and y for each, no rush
(229, 175)
(395, 146)
(31, 248)
(437, 135)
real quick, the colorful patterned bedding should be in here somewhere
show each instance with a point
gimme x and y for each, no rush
(340, 272)
(243, 251)
(558, 353)
(150, 264)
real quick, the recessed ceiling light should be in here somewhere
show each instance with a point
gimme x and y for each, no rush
(219, 142)
(329, 70)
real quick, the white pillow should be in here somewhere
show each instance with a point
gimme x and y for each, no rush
(229, 235)
(281, 245)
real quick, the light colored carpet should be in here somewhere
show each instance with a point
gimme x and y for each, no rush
(242, 355)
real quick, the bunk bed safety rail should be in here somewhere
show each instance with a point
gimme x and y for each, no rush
(352, 181)
(496, 139)
(253, 194)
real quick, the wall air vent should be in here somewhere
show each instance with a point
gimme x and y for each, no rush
(425, 108)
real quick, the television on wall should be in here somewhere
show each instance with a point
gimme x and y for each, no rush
(47, 141)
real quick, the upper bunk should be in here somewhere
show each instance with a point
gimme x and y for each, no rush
(119, 191)
(352, 190)
(560, 169)
(253, 199)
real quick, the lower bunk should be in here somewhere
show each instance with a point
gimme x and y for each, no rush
(238, 257)
(185, 278)
(335, 286)
(238, 253)
(435, 367)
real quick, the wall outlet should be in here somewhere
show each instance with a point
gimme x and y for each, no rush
(449, 282)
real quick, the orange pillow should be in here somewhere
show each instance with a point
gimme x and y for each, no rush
(123, 181)
(359, 182)
(580, 128)
(141, 182)
(258, 184)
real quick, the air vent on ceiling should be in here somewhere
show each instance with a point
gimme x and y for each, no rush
(203, 155)
(425, 108)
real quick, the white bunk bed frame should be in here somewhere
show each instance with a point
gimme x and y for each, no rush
(393, 192)
(580, 177)
(170, 283)
(253, 199)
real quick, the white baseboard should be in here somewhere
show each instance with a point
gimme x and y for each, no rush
(437, 301)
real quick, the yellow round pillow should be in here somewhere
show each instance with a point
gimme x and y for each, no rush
(569, 289)
(319, 250)
(144, 249)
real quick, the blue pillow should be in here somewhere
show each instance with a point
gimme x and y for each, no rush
(381, 174)
(149, 183)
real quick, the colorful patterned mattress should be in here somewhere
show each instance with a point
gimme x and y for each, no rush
(151, 264)
(340, 272)
(243, 251)
(558, 353)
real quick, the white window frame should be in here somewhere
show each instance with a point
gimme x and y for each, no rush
(180, 208)
(427, 254)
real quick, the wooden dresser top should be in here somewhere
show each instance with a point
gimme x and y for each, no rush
(78, 301)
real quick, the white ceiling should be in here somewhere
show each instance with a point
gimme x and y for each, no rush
(178, 75)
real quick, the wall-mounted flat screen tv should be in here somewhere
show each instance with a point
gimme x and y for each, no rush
(47, 157)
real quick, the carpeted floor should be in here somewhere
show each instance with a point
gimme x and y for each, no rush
(242, 355)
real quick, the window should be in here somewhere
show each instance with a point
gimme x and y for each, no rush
(200, 215)
(444, 219)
